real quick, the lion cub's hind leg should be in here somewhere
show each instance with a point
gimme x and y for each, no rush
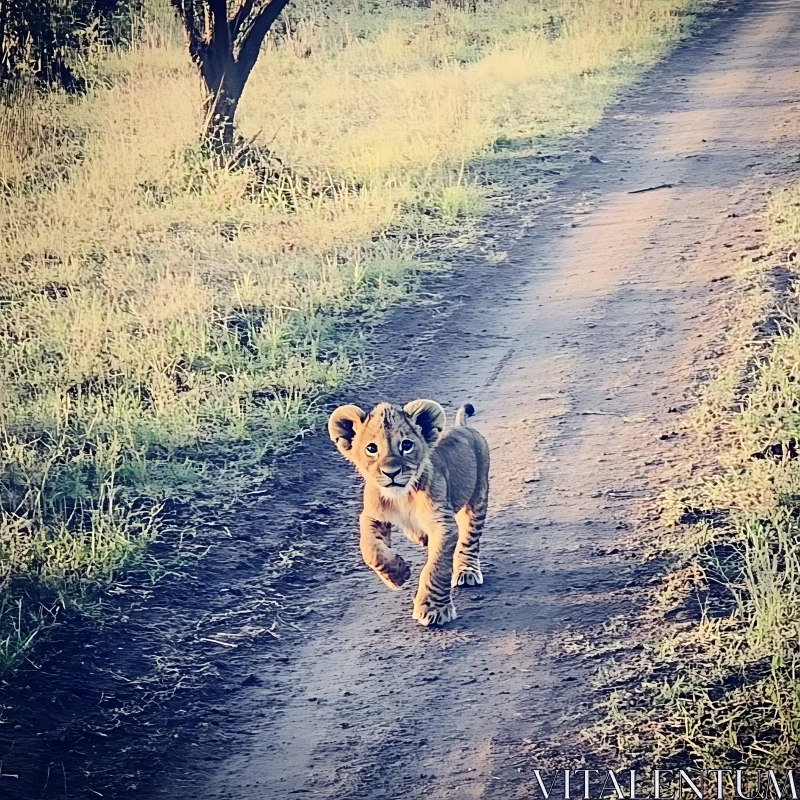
(466, 559)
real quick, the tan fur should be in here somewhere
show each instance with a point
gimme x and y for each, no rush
(430, 482)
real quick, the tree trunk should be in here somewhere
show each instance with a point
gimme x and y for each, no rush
(224, 81)
(221, 103)
(213, 42)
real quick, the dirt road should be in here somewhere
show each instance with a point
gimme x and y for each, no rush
(576, 353)
(576, 339)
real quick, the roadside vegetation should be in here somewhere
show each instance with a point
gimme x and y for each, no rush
(167, 316)
(720, 687)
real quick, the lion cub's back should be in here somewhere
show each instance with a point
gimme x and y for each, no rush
(465, 455)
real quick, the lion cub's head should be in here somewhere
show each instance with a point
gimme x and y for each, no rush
(390, 445)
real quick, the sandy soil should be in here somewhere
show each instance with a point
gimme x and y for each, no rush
(577, 340)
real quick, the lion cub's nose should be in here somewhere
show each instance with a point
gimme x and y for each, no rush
(392, 475)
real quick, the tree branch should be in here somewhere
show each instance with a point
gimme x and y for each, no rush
(185, 10)
(241, 17)
(221, 32)
(251, 46)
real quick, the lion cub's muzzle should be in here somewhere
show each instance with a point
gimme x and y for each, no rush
(395, 476)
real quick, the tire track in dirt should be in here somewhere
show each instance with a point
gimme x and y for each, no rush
(573, 352)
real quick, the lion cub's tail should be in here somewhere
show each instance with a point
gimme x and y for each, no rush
(464, 413)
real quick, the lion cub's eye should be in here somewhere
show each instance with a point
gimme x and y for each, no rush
(406, 446)
(372, 448)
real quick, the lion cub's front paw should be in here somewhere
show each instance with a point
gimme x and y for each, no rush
(395, 573)
(429, 614)
(467, 576)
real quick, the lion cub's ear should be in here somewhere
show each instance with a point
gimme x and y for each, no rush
(428, 416)
(342, 427)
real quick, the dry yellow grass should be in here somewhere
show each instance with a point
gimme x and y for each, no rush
(156, 307)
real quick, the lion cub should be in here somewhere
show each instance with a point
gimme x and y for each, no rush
(432, 483)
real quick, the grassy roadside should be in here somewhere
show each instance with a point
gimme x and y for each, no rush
(161, 316)
(720, 687)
